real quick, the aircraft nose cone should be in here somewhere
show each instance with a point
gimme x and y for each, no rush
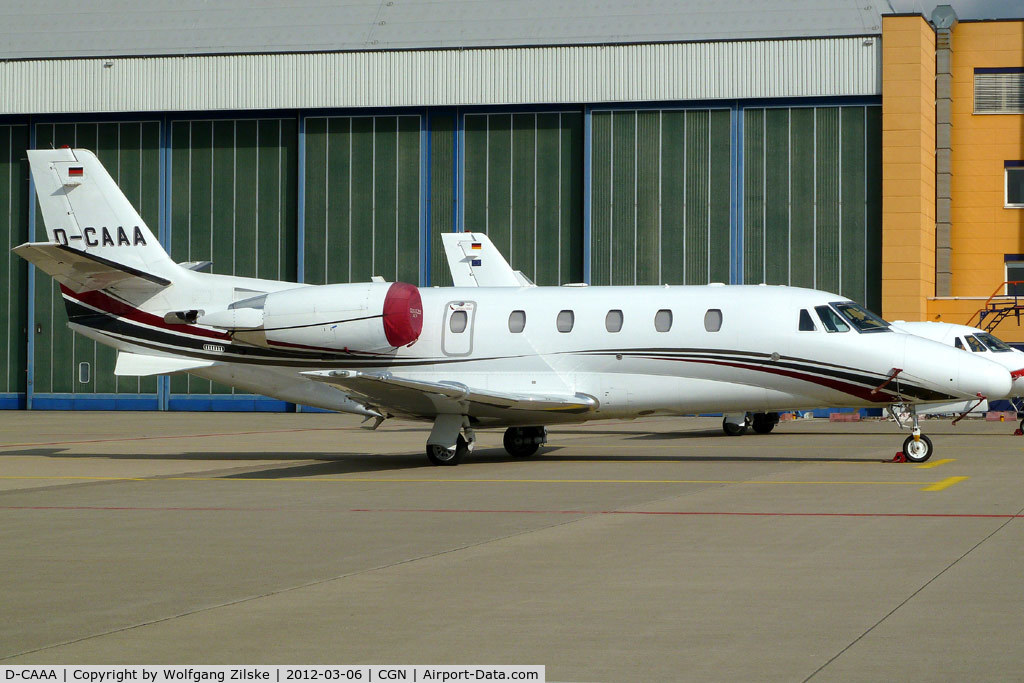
(978, 375)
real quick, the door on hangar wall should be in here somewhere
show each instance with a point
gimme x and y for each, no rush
(233, 199)
(13, 269)
(70, 370)
(362, 205)
(812, 209)
(522, 184)
(660, 195)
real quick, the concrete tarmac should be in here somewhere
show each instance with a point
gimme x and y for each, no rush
(657, 549)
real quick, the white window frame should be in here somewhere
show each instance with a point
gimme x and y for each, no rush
(1006, 275)
(1006, 187)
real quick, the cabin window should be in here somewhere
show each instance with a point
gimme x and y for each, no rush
(713, 320)
(565, 321)
(831, 320)
(457, 323)
(975, 345)
(613, 321)
(959, 343)
(806, 322)
(516, 321)
(663, 320)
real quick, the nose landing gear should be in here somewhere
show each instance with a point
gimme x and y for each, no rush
(917, 447)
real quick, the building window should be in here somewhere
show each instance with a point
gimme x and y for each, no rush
(999, 90)
(613, 321)
(517, 321)
(1014, 184)
(1014, 274)
(663, 320)
(565, 321)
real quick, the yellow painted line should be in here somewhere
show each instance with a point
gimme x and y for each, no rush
(945, 483)
(937, 463)
(352, 480)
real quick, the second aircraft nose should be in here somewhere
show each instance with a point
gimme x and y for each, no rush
(978, 375)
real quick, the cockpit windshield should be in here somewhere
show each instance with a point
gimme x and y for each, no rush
(975, 345)
(993, 342)
(861, 318)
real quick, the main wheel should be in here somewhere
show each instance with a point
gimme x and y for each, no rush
(439, 455)
(764, 423)
(917, 451)
(522, 442)
(731, 429)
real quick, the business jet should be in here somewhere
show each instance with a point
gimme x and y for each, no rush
(976, 341)
(494, 351)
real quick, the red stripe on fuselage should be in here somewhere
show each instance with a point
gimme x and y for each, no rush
(110, 305)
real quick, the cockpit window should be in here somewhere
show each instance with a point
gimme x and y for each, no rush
(993, 342)
(975, 345)
(861, 318)
(806, 322)
(958, 343)
(831, 320)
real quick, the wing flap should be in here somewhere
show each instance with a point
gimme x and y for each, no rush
(83, 272)
(419, 396)
(143, 365)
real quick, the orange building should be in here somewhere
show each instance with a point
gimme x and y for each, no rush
(952, 168)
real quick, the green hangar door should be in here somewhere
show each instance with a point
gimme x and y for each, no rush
(13, 269)
(660, 196)
(812, 210)
(522, 184)
(362, 204)
(68, 366)
(233, 198)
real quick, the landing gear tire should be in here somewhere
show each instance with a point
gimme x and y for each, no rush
(448, 457)
(917, 451)
(764, 423)
(732, 429)
(522, 442)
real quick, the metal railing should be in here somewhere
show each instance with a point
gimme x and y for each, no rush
(1008, 303)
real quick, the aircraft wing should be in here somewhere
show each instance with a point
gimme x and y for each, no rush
(424, 398)
(475, 262)
(143, 365)
(83, 272)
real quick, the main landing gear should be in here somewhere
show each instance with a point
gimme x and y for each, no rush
(452, 438)
(737, 424)
(917, 447)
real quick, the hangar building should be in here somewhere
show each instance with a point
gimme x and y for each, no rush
(603, 142)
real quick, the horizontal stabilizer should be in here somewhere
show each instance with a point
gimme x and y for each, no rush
(143, 365)
(83, 272)
(404, 394)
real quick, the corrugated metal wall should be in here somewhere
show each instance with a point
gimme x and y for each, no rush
(812, 199)
(233, 201)
(362, 199)
(660, 197)
(523, 186)
(130, 150)
(14, 210)
(653, 72)
(441, 198)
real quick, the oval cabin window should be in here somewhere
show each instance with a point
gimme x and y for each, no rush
(565, 321)
(663, 320)
(613, 321)
(457, 323)
(713, 320)
(516, 321)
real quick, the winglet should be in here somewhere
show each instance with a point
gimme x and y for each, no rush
(475, 262)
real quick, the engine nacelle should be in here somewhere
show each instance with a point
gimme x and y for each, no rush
(370, 317)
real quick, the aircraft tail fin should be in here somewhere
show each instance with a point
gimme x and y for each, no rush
(475, 262)
(87, 215)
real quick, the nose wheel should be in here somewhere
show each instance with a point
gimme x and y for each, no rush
(917, 447)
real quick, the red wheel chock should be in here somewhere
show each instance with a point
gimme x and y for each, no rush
(899, 457)
(1018, 432)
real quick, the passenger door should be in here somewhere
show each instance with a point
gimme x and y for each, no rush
(457, 333)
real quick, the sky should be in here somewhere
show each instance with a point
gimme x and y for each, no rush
(966, 9)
